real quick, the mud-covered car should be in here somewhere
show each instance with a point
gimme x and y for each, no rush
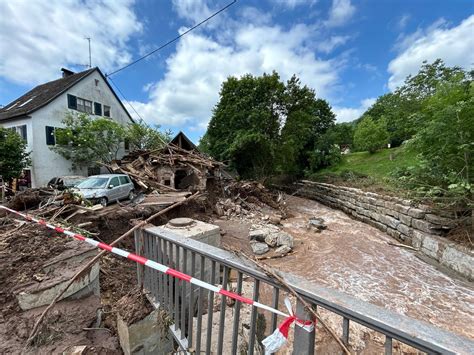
(106, 188)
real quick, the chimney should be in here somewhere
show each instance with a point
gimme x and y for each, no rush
(67, 72)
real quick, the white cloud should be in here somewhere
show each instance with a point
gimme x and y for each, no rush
(403, 21)
(330, 44)
(348, 114)
(294, 3)
(195, 72)
(453, 45)
(38, 37)
(340, 14)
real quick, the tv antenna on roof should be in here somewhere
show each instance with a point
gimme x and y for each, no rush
(90, 55)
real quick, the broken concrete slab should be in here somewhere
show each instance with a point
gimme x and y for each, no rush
(55, 275)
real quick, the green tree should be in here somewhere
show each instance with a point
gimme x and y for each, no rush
(142, 136)
(262, 125)
(401, 108)
(446, 141)
(249, 110)
(369, 135)
(341, 134)
(306, 121)
(13, 155)
(85, 140)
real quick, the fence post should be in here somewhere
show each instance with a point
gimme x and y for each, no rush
(139, 248)
(304, 340)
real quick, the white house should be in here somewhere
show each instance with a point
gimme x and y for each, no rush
(37, 114)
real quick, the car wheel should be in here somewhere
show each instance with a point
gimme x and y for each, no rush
(103, 201)
(131, 195)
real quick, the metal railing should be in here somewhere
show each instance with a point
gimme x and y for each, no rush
(192, 310)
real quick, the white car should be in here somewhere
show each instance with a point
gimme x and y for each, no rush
(106, 188)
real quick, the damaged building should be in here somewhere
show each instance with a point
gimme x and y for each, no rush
(178, 166)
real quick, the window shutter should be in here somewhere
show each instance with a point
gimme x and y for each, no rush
(71, 101)
(97, 109)
(50, 140)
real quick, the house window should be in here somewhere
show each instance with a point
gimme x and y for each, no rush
(84, 105)
(72, 102)
(97, 109)
(106, 111)
(50, 139)
(88, 106)
(21, 131)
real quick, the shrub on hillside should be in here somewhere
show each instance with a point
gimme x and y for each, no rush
(370, 136)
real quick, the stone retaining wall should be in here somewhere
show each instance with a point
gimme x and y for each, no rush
(399, 218)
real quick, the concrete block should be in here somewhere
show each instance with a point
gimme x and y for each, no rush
(424, 226)
(416, 213)
(389, 221)
(402, 228)
(405, 219)
(440, 221)
(33, 297)
(430, 247)
(417, 238)
(459, 261)
(144, 336)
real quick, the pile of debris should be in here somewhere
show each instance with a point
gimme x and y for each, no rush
(266, 237)
(169, 169)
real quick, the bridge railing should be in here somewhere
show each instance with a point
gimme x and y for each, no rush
(200, 327)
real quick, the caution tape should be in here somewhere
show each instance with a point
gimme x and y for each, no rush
(290, 318)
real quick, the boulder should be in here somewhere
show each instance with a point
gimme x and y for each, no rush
(259, 248)
(258, 235)
(272, 240)
(285, 239)
(283, 250)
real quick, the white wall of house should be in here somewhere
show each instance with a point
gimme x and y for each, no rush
(47, 164)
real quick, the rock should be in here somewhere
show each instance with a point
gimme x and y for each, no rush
(259, 248)
(441, 221)
(283, 250)
(424, 226)
(416, 213)
(285, 239)
(271, 240)
(275, 219)
(258, 235)
(317, 223)
(405, 219)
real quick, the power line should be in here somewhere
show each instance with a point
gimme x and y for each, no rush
(173, 40)
(125, 99)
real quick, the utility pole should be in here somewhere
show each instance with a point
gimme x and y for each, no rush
(90, 55)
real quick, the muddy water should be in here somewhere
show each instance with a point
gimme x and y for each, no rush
(355, 258)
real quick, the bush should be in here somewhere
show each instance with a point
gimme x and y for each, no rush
(370, 136)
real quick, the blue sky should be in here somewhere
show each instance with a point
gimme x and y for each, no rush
(350, 52)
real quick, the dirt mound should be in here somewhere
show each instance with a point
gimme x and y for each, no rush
(23, 251)
(134, 306)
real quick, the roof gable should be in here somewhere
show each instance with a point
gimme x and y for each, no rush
(183, 142)
(43, 94)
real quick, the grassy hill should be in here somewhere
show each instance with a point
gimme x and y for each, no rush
(363, 169)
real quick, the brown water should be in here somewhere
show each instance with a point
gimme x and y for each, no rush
(355, 258)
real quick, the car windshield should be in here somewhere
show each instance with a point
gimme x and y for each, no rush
(73, 181)
(93, 183)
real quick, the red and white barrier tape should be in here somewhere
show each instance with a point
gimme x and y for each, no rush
(290, 318)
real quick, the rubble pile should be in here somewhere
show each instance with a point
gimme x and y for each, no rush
(168, 169)
(264, 238)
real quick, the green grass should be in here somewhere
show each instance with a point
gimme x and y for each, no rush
(364, 169)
